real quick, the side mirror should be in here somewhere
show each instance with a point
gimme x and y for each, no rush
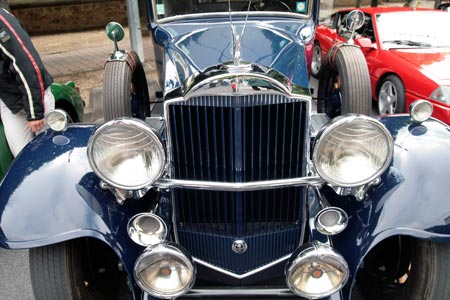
(353, 22)
(115, 31)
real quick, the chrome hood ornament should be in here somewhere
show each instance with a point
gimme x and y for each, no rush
(236, 38)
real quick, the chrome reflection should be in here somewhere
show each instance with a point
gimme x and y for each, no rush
(331, 220)
(316, 271)
(420, 110)
(147, 229)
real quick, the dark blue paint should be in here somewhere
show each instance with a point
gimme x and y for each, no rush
(50, 194)
(413, 198)
(199, 44)
(53, 192)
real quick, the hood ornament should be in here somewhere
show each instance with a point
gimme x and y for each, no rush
(236, 38)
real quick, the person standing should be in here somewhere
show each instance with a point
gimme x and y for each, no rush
(25, 95)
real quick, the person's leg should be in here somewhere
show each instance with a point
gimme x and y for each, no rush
(17, 132)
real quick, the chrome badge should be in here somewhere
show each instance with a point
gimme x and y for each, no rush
(239, 246)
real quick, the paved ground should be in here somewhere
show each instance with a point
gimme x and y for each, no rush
(80, 57)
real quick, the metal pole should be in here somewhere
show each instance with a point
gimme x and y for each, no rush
(134, 27)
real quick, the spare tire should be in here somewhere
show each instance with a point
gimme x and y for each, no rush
(344, 82)
(125, 89)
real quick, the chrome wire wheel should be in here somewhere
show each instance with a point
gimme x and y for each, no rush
(316, 61)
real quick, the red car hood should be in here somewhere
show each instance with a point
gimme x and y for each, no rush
(434, 62)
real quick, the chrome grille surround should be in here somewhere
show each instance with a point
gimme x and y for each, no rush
(238, 188)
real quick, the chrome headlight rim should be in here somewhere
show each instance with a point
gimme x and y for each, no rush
(316, 250)
(420, 110)
(344, 120)
(139, 124)
(57, 120)
(159, 249)
(133, 233)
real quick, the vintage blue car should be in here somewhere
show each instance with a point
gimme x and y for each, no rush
(230, 185)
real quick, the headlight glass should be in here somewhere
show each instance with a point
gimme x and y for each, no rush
(165, 271)
(441, 94)
(317, 271)
(420, 110)
(147, 229)
(126, 153)
(352, 151)
(57, 120)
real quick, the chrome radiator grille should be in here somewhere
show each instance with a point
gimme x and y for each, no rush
(240, 138)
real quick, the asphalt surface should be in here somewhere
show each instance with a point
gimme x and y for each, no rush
(15, 281)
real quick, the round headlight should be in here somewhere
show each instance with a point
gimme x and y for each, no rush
(127, 154)
(165, 271)
(57, 120)
(317, 271)
(147, 229)
(331, 220)
(352, 150)
(420, 110)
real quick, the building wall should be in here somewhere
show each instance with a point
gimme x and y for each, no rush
(57, 16)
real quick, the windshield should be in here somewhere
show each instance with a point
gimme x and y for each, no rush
(172, 8)
(418, 29)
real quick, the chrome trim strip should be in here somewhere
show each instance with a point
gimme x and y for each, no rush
(275, 262)
(239, 292)
(196, 16)
(239, 186)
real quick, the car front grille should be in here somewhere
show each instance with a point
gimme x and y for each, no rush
(234, 139)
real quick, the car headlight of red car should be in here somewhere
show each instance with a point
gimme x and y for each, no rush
(127, 154)
(441, 94)
(352, 150)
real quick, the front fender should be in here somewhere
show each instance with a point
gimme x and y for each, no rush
(413, 197)
(50, 194)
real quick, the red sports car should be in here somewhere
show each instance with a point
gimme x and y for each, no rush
(407, 52)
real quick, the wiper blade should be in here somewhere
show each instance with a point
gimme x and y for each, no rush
(408, 43)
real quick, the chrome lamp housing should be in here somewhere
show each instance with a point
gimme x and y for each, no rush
(352, 151)
(165, 270)
(127, 154)
(316, 271)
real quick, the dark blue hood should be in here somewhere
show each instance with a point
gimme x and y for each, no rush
(195, 46)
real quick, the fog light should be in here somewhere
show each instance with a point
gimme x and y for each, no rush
(147, 229)
(316, 271)
(165, 271)
(331, 220)
(57, 120)
(420, 110)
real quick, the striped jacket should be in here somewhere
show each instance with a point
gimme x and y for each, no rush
(23, 77)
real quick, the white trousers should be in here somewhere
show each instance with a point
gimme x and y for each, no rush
(17, 132)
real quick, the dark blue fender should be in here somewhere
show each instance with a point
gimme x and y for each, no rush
(50, 194)
(413, 198)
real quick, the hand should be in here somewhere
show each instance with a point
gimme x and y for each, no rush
(36, 125)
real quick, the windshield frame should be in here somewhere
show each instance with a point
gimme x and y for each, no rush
(155, 18)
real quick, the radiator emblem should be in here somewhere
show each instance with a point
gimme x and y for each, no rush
(239, 246)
